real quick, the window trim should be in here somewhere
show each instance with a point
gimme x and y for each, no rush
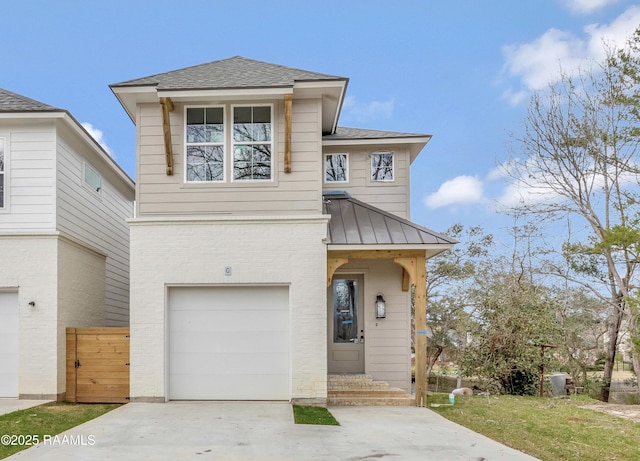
(224, 143)
(228, 146)
(88, 186)
(4, 207)
(324, 168)
(393, 167)
(232, 145)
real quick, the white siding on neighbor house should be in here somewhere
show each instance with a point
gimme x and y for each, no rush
(392, 197)
(387, 352)
(259, 252)
(30, 173)
(298, 192)
(97, 219)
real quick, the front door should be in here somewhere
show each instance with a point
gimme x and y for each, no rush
(346, 325)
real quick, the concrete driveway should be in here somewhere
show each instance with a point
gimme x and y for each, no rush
(11, 405)
(266, 431)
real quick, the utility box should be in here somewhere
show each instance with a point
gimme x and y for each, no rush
(558, 383)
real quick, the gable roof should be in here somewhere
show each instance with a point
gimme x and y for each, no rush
(14, 106)
(13, 102)
(235, 72)
(355, 223)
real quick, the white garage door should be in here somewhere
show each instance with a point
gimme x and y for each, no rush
(229, 343)
(8, 344)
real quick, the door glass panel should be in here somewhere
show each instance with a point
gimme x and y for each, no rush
(345, 310)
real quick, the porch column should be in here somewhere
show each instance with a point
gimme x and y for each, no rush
(421, 330)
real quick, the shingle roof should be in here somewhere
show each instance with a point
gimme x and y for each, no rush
(12, 102)
(344, 133)
(356, 223)
(236, 72)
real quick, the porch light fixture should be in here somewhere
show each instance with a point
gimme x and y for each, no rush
(381, 307)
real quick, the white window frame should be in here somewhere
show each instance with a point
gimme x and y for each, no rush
(223, 144)
(393, 167)
(86, 184)
(233, 143)
(4, 206)
(346, 168)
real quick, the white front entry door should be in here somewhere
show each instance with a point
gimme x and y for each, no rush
(8, 344)
(229, 343)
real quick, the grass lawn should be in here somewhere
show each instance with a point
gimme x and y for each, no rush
(549, 429)
(313, 415)
(48, 419)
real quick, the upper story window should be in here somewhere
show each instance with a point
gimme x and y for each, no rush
(205, 144)
(336, 168)
(92, 179)
(250, 136)
(2, 172)
(382, 167)
(252, 142)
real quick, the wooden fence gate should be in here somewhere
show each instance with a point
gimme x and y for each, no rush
(98, 365)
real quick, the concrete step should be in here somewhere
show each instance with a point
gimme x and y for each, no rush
(361, 390)
(371, 401)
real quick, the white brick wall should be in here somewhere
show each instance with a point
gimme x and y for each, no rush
(34, 265)
(259, 251)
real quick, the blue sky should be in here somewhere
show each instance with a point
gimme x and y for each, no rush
(460, 70)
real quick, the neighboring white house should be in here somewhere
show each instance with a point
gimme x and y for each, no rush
(64, 242)
(264, 235)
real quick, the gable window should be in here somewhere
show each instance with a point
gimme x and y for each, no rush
(252, 143)
(92, 178)
(336, 168)
(2, 173)
(205, 144)
(382, 166)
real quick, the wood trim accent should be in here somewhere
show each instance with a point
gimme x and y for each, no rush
(167, 106)
(375, 254)
(287, 133)
(332, 266)
(406, 280)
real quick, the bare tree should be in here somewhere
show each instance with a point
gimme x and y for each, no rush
(577, 159)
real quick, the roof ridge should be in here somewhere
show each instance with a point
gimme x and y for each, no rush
(30, 104)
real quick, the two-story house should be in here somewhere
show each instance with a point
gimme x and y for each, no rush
(64, 242)
(270, 247)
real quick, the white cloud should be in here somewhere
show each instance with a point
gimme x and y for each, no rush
(587, 6)
(540, 62)
(361, 112)
(459, 190)
(97, 135)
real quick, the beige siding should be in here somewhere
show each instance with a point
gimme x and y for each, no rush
(392, 197)
(293, 193)
(30, 174)
(387, 352)
(98, 220)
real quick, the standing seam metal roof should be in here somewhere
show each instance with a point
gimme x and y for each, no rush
(356, 223)
(235, 72)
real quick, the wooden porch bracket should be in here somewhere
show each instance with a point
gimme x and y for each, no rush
(167, 106)
(332, 266)
(409, 273)
(287, 133)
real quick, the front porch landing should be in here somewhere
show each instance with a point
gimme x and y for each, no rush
(362, 390)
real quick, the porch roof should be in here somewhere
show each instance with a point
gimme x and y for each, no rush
(357, 223)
